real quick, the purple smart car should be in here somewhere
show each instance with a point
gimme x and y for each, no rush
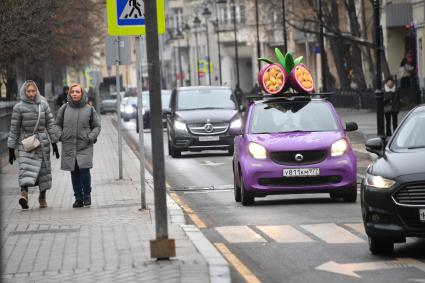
(290, 146)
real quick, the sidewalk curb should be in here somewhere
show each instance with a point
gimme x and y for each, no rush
(218, 267)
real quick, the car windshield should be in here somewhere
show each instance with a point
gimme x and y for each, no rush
(412, 133)
(205, 99)
(292, 116)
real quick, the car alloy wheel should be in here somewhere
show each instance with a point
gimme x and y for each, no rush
(380, 246)
(236, 188)
(246, 197)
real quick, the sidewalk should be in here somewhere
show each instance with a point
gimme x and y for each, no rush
(108, 242)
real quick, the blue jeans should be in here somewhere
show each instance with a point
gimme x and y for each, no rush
(81, 182)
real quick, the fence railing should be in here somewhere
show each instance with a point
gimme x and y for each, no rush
(367, 100)
(5, 117)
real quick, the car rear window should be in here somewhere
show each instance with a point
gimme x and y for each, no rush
(205, 99)
(412, 133)
(292, 116)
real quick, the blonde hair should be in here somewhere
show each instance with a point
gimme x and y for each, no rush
(30, 83)
(74, 85)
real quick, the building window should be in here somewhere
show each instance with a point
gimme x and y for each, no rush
(178, 18)
(225, 13)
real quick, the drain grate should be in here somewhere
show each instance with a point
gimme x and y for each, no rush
(45, 231)
(209, 188)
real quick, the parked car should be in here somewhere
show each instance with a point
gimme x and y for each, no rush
(393, 190)
(109, 103)
(129, 108)
(201, 118)
(292, 146)
(165, 101)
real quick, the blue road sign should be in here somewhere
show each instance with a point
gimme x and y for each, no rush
(130, 12)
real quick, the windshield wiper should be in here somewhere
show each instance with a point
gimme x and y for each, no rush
(415, 147)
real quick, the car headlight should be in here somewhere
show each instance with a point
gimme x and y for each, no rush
(236, 123)
(378, 182)
(257, 150)
(180, 126)
(129, 109)
(339, 147)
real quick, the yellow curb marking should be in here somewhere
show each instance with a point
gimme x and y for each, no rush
(193, 216)
(237, 264)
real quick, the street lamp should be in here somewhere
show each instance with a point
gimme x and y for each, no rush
(196, 23)
(217, 29)
(378, 51)
(322, 50)
(186, 28)
(207, 13)
(285, 38)
(179, 36)
(258, 34)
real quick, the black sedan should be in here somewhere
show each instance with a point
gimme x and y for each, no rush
(393, 190)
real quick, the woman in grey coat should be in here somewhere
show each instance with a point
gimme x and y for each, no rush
(34, 166)
(79, 127)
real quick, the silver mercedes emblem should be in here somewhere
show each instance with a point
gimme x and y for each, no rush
(208, 128)
(299, 157)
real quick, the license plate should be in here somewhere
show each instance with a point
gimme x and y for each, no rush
(301, 172)
(209, 138)
(422, 215)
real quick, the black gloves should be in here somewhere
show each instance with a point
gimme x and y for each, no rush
(55, 150)
(12, 156)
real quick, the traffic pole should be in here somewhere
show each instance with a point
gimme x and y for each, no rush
(161, 247)
(140, 117)
(379, 95)
(118, 88)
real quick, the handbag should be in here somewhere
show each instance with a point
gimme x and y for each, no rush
(30, 143)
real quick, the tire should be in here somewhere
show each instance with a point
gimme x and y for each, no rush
(174, 152)
(379, 246)
(247, 198)
(126, 119)
(350, 195)
(236, 188)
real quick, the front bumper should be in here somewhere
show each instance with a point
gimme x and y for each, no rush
(264, 177)
(186, 141)
(383, 217)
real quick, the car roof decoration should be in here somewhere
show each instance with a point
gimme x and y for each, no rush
(286, 76)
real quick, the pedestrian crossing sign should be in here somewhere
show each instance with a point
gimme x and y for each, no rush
(127, 17)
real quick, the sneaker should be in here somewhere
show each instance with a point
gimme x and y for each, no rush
(87, 201)
(23, 201)
(78, 203)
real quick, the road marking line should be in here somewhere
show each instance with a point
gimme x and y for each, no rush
(358, 227)
(332, 233)
(349, 269)
(239, 234)
(237, 264)
(193, 216)
(285, 234)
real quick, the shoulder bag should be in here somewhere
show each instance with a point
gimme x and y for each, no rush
(30, 143)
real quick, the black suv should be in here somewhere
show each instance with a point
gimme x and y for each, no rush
(201, 118)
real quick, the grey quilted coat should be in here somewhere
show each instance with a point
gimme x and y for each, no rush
(78, 126)
(32, 170)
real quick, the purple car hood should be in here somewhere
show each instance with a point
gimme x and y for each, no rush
(296, 141)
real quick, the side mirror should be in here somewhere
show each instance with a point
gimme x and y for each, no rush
(351, 126)
(235, 131)
(375, 145)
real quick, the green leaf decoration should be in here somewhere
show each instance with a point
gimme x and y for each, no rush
(267, 60)
(298, 60)
(280, 57)
(289, 62)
